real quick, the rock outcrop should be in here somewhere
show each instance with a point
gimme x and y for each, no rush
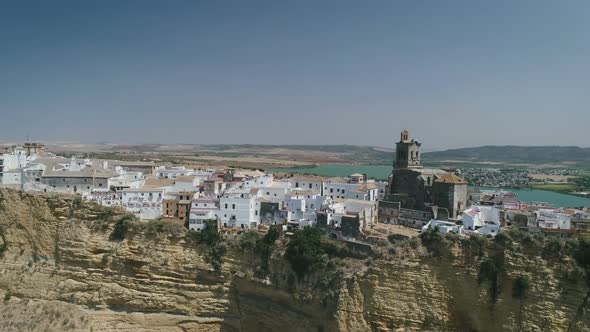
(60, 272)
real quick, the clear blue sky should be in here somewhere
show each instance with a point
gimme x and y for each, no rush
(455, 73)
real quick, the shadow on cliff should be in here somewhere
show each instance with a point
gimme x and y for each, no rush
(257, 307)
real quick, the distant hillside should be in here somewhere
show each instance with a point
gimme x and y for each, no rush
(515, 154)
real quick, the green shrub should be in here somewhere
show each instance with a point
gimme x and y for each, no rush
(489, 270)
(120, 230)
(554, 248)
(77, 202)
(305, 252)
(153, 228)
(435, 242)
(216, 254)
(7, 296)
(248, 240)
(4, 244)
(520, 287)
(266, 246)
(106, 214)
(208, 235)
(174, 229)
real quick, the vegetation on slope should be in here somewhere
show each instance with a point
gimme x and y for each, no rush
(520, 154)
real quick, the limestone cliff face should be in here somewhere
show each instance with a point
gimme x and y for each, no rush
(60, 272)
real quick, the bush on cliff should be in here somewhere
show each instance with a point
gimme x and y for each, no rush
(4, 243)
(120, 230)
(305, 252)
(248, 240)
(436, 243)
(153, 228)
(265, 247)
(210, 237)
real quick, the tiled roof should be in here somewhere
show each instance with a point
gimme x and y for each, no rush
(451, 178)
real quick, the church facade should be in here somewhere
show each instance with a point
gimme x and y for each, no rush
(414, 187)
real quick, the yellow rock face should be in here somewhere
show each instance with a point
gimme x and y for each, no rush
(60, 272)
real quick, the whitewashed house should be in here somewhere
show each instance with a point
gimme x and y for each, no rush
(202, 209)
(481, 219)
(308, 182)
(173, 172)
(239, 208)
(553, 219)
(144, 203)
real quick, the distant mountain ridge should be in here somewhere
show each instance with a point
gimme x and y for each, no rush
(513, 153)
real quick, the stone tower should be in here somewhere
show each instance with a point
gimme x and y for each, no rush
(407, 152)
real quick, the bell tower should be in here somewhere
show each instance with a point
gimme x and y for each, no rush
(407, 152)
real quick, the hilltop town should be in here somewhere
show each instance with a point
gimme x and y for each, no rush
(348, 208)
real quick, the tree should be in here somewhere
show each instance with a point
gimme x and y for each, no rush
(435, 242)
(520, 287)
(265, 247)
(210, 237)
(489, 270)
(120, 230)
(305, 252)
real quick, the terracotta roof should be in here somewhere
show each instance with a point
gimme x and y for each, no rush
(307, 178)
(451, 178)
(153, 182)
(85, 173)
(185, 178)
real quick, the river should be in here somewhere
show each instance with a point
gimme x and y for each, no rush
(381, 172)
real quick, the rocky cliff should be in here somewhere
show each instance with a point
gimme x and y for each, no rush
(60, 272)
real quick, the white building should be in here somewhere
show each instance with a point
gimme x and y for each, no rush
(173, 172)
(553, 219)
(239, 208)
(202, 209)
(262, 181)
(443, 227)
(275, 192)
(343, 188)
(144, 203)
(125, 180)
(11, 178)
(301, 206)
(308, 182)
(481, 219)
(15, 160)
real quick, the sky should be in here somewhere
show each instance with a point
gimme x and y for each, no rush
(453, 73)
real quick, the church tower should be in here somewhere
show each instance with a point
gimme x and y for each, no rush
(407, 153)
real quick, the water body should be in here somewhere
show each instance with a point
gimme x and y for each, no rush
(381, 172)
